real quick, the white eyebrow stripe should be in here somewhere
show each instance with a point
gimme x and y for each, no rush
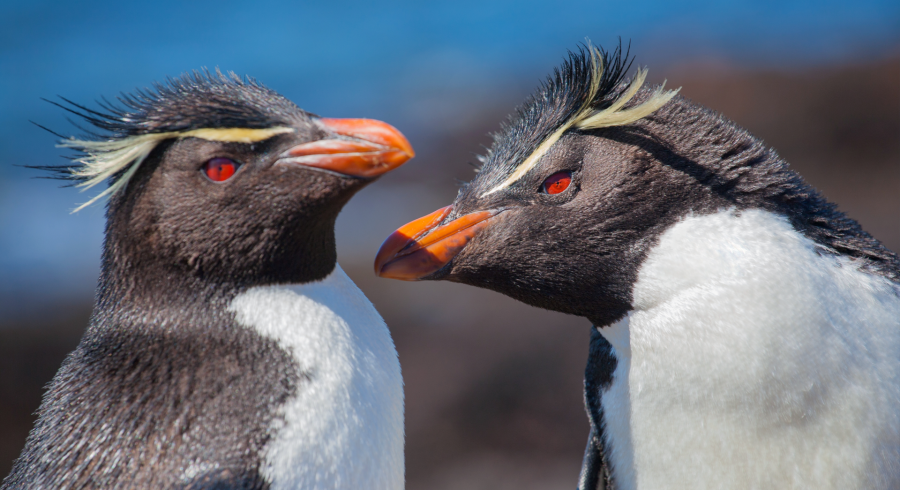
(586, 118)
(103, 159)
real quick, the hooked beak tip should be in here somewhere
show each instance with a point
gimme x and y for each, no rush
(422, 247)
(371, 130)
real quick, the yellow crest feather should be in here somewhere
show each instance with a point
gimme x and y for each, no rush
(104, 159)
(588, 118)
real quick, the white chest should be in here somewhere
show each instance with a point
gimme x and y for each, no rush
(751, 361)
(344, 428)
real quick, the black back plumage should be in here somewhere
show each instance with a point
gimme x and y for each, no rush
(740, 170)
(181, 398)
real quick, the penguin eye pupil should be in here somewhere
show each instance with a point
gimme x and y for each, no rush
(220, 169)
(557, 182)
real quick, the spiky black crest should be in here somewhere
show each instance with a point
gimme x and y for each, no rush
(556, 101)
(199, 99)
(203, 104)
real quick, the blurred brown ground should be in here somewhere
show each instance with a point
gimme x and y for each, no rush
(493, 387)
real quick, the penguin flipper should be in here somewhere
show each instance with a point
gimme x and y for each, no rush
(595, 474)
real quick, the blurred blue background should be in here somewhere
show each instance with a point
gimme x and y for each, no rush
(445, 74)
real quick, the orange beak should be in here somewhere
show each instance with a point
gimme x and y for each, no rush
(364, 148)
(421, 247)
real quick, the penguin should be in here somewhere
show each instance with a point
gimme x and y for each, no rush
(227, 349)
(746, 334)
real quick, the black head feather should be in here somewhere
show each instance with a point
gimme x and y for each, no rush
(555, 102)
(199, 99)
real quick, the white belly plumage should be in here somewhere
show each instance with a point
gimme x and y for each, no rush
(344, 428)
(752, 361)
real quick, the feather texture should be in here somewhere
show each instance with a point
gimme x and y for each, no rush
(201, 104)
(105, 159)
(589, 89)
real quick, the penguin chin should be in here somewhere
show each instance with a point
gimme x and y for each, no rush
(442, 274)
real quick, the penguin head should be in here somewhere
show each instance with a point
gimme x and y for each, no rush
(556, 214)
(221, 178)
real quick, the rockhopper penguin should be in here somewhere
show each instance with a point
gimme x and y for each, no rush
(746, 333)
(227, 349)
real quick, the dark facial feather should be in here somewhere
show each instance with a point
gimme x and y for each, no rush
(554, 102)
(124, 134)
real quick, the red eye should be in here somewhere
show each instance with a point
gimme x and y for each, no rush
(220, 169)
(557, 182)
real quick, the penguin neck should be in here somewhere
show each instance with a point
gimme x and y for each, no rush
(154, 257)
(712, 165)
(132, 290)
(137, 279)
